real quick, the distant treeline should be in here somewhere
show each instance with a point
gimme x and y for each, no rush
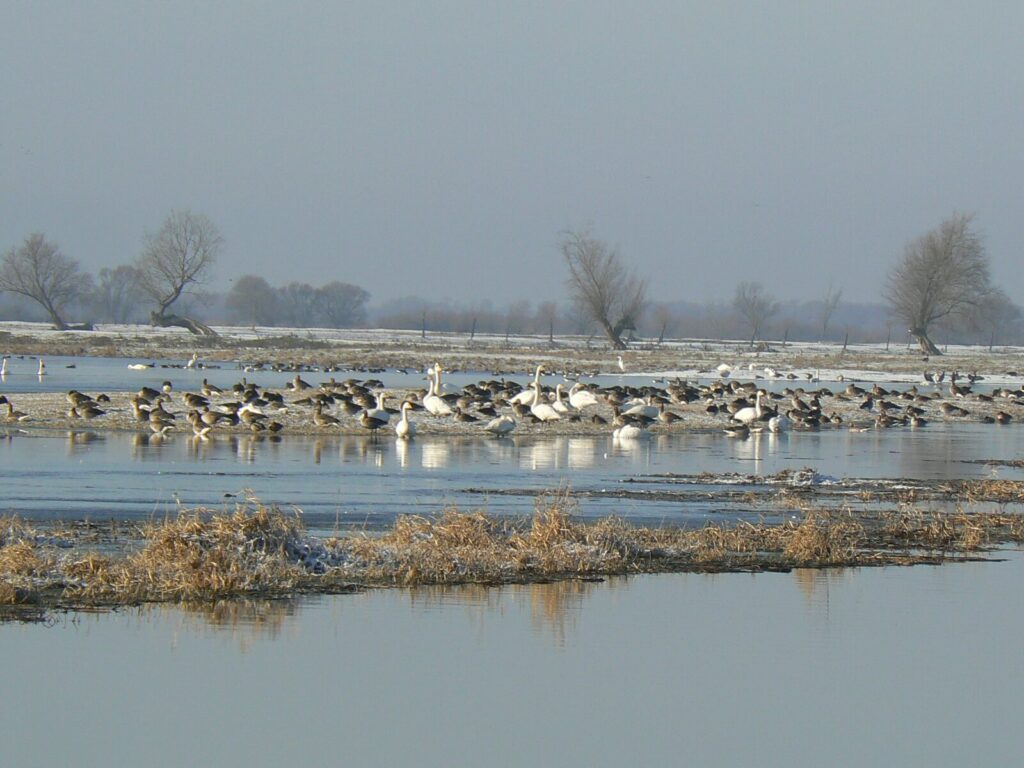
(340, 305)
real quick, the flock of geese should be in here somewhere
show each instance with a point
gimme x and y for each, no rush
(498, 406)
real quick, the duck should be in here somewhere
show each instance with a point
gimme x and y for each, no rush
(405, 429)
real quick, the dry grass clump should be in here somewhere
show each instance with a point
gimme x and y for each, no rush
(823, 539)
(260, 551)
(993, 489)
(199, 554)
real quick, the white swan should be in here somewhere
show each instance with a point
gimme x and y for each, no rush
(526, 396)
(724, 369)
(622, 365)
(777, 424)
(380, 413)
(542, 411)
(750, 413)
(192, 363)
(500, 426)
(641, 408)
(3, 367)
(432, 402)
(405, 428)
(629, 432)
(560, 405)
(138, 366)
(42, 367)
(440, 388)
(580, 398)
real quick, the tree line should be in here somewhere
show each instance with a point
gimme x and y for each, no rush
(942, 282)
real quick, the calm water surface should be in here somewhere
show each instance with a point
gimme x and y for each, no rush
(359, 480)
(894, 666)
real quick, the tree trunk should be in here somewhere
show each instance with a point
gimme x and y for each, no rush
(926, 344)
(614, 336)
(176, 321)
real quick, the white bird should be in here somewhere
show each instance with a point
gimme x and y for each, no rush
(777, 424)
(629, 432)
(750, 413)
(560, 405)
(542, 411)
(138, 366)
(642, 408)
(441, 389)
(192, 363)
(405, 428)
(580, 398)
(380, 413)
(500, 426)
(3, 367)
(42, 367)
(526, 396)
(432, 402)
(622, 365)
(724, 369)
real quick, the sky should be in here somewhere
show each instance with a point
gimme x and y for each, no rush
(441, 149)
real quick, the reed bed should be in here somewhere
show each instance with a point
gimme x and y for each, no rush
(263, 551)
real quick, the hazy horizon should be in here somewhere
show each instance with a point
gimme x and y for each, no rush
(440, 149)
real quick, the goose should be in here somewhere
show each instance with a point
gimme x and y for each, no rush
(501, 426)
(369, 422)
(542, 411)
(433, 402)
(525, 397)
(404, 428)
(737, 430)
(580, 397)
(13, 415)
(749, 414)
(322, 419)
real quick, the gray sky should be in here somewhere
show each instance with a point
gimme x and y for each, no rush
(440, 148)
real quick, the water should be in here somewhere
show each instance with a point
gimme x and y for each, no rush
(359, 480)
(893, 666)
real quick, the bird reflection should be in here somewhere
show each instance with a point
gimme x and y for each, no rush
(436, 454)
(402, 452)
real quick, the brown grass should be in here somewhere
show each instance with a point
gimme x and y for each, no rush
(259, 551)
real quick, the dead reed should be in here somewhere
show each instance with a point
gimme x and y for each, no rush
(260, 551)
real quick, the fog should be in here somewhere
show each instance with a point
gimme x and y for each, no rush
(440, 149)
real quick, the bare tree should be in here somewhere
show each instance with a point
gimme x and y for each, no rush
(602, 287)
(297, 304)
(544, 320)
(252, 300)
(117, 295)
(39, 271)
(996, 313)
(174, 261)
(943, 277)
(755, 306)
(341, 305)
(828, 308)
(664, 318)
